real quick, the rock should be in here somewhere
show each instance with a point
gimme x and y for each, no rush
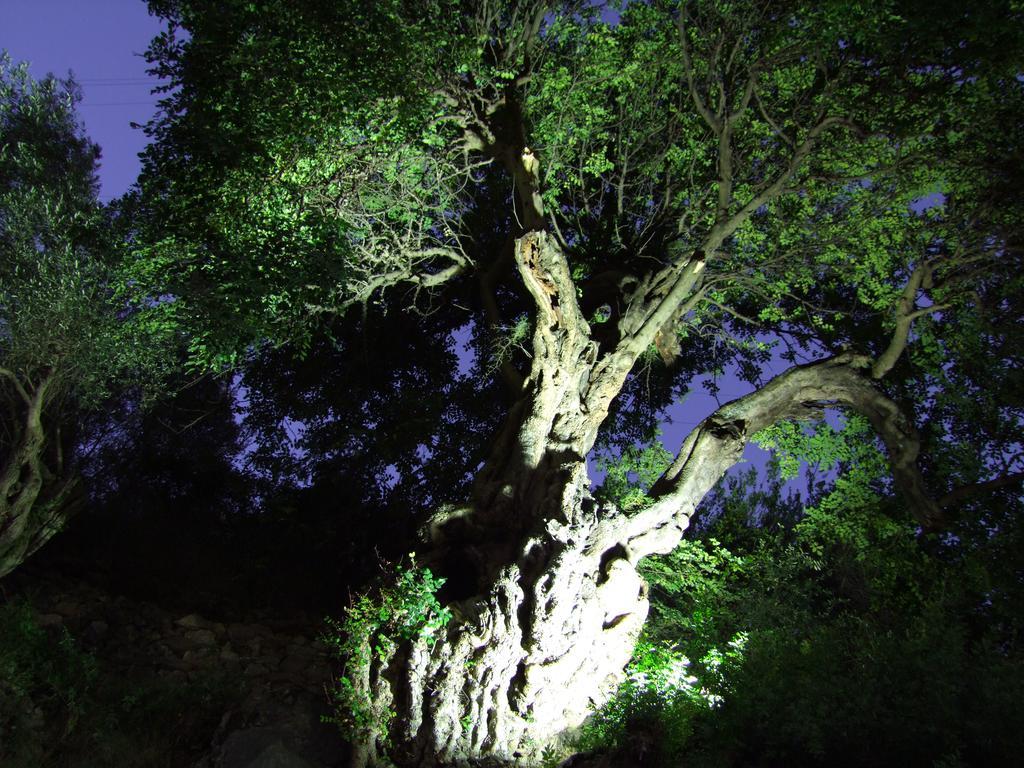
(254, 646)
(95, 632)
(68, 609)
(287, 733)
(283, 680)
(178, 644)
(194, 621)
(149, 613)
(256, 670)
(241, 633)
(302, 652)
(279, 669)
(176, 676)
(172, 664)
(270, 661)
(277, 755)
(293, 665)
(201, 637)
(196, 657)
(317, 676)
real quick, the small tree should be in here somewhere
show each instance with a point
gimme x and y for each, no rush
(62, 342)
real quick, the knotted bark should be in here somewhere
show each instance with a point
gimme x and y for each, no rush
(35, 499)
(550, 603)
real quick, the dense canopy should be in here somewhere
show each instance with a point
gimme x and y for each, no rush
(463, 250)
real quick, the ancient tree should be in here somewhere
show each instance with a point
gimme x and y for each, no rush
(633, 186)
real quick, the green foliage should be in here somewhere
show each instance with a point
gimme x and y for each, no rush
(59, 254)
(686, 583)
(824, 445)
(44, 680)
(374, 627)
(311, 155)
(51, 281)
(506, 341)
(67, 343)
(631, 474)
(663, 697)
(849, 617)
(311, 137)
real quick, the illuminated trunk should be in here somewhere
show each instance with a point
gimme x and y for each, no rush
(547, 636)
(546, 599)
(35, 500)
(547, 602)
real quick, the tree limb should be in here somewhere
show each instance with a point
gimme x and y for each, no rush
(906, 312)
(965, 492)
(698, 101)
(717, 443)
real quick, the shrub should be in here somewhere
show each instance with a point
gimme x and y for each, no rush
(372, 630)
(45, 684)
(653, 714)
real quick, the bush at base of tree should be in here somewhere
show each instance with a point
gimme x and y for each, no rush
(866, 643)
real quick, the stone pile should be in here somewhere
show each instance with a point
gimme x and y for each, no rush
(142, 634)
(282, 670)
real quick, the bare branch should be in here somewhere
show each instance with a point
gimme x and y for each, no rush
(768, 119)
(698, 101)
(723, 229)
(748, 93)
(513, 378)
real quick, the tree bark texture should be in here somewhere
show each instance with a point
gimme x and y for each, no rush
(550, 602)
(34, 502)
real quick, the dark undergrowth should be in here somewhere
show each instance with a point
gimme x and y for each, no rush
(61, 707)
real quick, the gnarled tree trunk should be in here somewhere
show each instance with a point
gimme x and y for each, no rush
(35, 500)
(549, 603)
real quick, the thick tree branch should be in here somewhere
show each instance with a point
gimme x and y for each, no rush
(638, 333)
(725, 173)
(21, 481)
(799, 393)
(653, 308)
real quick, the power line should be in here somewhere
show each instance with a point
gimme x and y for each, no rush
(118, 104)
(146, 84)
(117, 80)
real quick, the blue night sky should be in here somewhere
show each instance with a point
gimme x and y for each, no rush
(101, 42)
